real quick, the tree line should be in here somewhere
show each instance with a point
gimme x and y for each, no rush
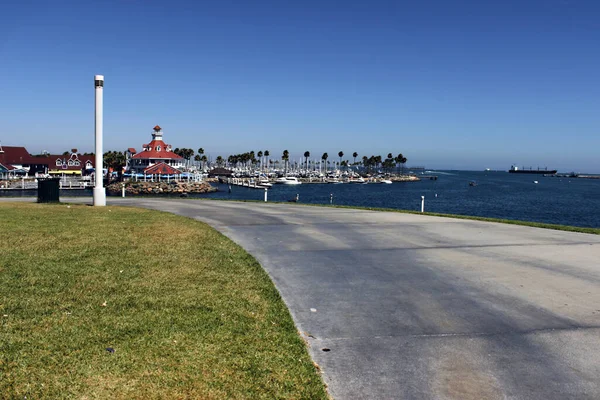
(116, 160)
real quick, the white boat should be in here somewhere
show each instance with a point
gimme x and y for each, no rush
(359, 180)
(386, 181)
(290, 180)
(264, 182)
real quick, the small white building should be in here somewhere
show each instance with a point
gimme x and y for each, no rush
(153, 153)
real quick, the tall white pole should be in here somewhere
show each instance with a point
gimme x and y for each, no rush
(99, 192)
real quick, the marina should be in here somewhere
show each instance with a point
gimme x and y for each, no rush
(565, 201)
(554, 200)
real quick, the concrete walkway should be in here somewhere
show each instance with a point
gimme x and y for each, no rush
(400, 306)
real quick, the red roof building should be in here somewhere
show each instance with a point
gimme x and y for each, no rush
(74, 164)
(7, 170)
(16, 155)
(161, 169)
(19, 158)
(155, 152)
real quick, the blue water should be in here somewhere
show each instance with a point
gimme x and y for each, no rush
(565, 201)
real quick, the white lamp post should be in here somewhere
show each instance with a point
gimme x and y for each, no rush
(99, 192)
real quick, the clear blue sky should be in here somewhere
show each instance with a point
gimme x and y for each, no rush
(451, 84)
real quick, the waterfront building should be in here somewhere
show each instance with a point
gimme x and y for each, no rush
(10, 172)
(162, 169)
(71, 164)
(16, 159)
(155, 152)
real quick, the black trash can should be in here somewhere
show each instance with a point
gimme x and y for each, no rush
(48, 190)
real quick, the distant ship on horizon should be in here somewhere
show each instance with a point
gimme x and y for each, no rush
(516, 170)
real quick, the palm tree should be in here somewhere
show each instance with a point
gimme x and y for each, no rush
(199, 156)
(115, 160)
(285, 157)
(267, 156)
(389, 162)
(341, 154)
(400, 159)
(355, 154)
(324, 157)
(189, 153)
(377, 161)
(260, 154)
(306, 155)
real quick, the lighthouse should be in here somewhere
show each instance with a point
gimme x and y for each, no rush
(99, 191)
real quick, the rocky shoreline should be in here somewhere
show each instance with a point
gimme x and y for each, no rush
(136, 188)
(405, 178)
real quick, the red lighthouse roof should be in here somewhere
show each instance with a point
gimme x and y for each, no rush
(157, 149)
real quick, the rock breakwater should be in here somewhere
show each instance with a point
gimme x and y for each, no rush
(405, 178)
(139, 188)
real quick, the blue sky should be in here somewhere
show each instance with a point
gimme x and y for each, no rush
(451, 84)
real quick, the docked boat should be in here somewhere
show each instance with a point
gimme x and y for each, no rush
(386, 181)
(359, 180)
(516, 170)
(264, 182)
(288, 180)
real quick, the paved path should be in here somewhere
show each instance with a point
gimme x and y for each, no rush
(412, 306)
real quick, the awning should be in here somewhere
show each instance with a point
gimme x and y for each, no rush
(65, 172)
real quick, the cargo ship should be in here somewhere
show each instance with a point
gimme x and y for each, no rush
(516, 170)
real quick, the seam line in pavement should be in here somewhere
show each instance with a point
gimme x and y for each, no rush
(473, 334)
(483, 246)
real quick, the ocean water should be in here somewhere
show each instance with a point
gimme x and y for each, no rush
(565, 201)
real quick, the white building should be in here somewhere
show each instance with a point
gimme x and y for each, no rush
(155, 152)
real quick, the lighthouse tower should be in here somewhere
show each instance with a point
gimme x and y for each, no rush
(155, 152)
(157, 133)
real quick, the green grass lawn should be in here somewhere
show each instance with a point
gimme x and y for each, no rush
(188, 313)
